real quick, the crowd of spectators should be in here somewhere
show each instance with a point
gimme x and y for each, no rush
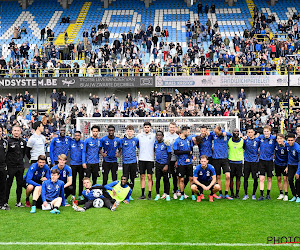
(259, 51)
(266, 109)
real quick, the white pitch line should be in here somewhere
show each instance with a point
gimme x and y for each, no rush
(145, 244)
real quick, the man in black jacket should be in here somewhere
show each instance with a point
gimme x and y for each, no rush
(3, 172)
(15, 163)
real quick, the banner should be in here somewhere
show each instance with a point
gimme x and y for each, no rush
(79, 82)
(227, 81)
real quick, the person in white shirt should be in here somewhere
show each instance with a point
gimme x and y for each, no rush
(36, 143)
(146, 158)
(171, 136)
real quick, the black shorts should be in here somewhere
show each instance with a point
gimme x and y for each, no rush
(236, 170)
(172, 169)
(221, 163)
(130, 170)
(265, 167)
(92, 169)
(210, 160)
(185, 171)
(25, 184)
(200, 189)
(279, 170)
(146, 166)
(250, 167)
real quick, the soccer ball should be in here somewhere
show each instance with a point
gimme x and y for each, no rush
(97, 193)
(97, 203)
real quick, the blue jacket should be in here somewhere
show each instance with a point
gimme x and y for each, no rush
(35, 173)
(59, 145)
(52, 190)
(90, 152)
(76, 148)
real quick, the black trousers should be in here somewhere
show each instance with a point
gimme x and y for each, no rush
(292, 169)
(92, 170)
(3, 176)
(160, 173)
(77, 169)
(107, 203)
(109, 166)
(68, 191)
(172, 171)
(11, 174)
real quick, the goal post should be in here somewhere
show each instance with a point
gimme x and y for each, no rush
(84, 125)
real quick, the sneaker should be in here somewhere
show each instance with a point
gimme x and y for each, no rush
(210, 198)
(6, 206)
(280, 197)
(27, 204)
(261, 198)
(19, 204)
(149, 197)
(115, 206)
(130, 198)
(232, 196)
(221, 196)
(186, 196)
(285, 198)
(181, 198)
(168, 198)
(143, 197)
(237, 196)
(202, 196)
(164, 196)
(33, 210)
(253, 197)
(246, 197)
(193, 197)
(55, 211)
(78, 209)
(199, 198)
(74, 201)
(298, 199)
(175, 196)
(293, 199)
(216, 197)
(67, 203)
(157, 197)
(269, 198)
(227, 197)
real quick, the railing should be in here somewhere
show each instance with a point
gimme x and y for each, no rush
(139, 71)
(33, 106)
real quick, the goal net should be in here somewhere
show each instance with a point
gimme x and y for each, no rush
(84, 125)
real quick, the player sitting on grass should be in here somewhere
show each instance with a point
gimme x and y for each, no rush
(162, 160)
(94, 196)
(53, 194)
(34, 177)
(205, 179)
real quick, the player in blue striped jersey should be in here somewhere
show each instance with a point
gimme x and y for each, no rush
(59, 145)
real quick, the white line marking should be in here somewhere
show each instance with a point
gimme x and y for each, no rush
(146, 244)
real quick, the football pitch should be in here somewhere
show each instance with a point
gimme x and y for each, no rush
(153, 224)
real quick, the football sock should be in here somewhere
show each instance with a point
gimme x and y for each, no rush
(149, 194)
(246, 186)
(27, 198)
(237, 192)
(226, 192)
(286, 193)
(268, 192)
(281, 192)
(33, 202)
(56, 207)
(220, 192)
(182, 193)
(143, 191)
(262, 192)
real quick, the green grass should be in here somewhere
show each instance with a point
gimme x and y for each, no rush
(223, 221)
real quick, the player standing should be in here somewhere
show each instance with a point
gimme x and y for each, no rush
(109, 145)
(205, 179)
(59, 145)
(15, 163)
(235, 157)
(76, 148)
(146, 158)
(129, 145)
(267, 148)
(36, 143)
(65, 176)
(220, 158)
(205, 145)
(90, 155)
(251, 145)
(171, 136)
(293, 149)
(162, 151)
(281, 160)
(183, 149)
(3, 171)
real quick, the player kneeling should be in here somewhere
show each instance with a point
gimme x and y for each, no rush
(205, 179)
(53, 194)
